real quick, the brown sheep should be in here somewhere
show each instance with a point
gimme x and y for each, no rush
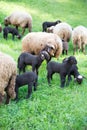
(36, 41)
(7, 77)
(18, 18)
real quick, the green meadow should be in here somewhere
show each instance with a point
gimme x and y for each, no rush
(50, 107)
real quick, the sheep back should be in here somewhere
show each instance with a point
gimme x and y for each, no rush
(7, 74)
(63, 30)
(79, 36)
(36, 41)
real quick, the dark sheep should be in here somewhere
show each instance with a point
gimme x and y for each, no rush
(28, 78)
(11, 30)
(34, 60)
(75, 73)
(47, 24)
(61, 68)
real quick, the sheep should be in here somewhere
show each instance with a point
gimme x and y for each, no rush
(75, 73)
(34, 60)
(19, 18)
(28, 78)
(0, 28)
(47, 24)
(61, 68)
(79, 38)
(8, 73)
(64, 31)
(34, 42)
(11, 30)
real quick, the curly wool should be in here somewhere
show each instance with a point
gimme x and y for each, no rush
(7, 75)
(18, 18)
(63, 30)
(36, 41)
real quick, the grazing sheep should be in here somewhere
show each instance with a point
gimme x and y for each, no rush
(64, 31)
(79, 38)
(28, 78)
(18, 18)
(0, 28)
(61, 68)
(8, 72)
(75, 73)
(34, 42)
(11, 30)
(34, 60)
(47, 24)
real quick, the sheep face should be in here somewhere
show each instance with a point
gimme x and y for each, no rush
(6, 22)
(45, 55)
(50, 49)
(79, 79)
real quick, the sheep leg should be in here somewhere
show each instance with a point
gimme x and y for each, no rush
(35, 85)
(63, 52)
(17, 27)
(66, 52)
(23, 30)
(49, 77)
(69, 79)
(62, 80)
(12, 36)
(16, 90)
(83, 48)
(29, 90)
(7, 99)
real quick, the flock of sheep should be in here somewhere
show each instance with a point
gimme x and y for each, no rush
(37, 47)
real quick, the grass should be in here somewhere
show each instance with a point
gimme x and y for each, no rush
(50, 107)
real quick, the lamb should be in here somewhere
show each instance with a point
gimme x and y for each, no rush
(19, 18)
(64, 31)
(47, 24)
(75, 73)
(28, 78)
(8, 73)
(11, 30)
(0, 28)
(35, 42)
(61, 68)
(79, 38)
(34, 60)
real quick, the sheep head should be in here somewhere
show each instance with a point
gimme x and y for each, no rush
(45, 56)
(72, 60)
(6, 21)
(50, 49)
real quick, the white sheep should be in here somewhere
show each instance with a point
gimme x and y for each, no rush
(64, 31)
(34, 42)
(7, 77)
(19, 18)
(79, 38)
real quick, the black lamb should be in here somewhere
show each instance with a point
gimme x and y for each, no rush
(11, 30)
(61, 68)
(75, 73)
(47, 24)
(28, 78)
(34, 60)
